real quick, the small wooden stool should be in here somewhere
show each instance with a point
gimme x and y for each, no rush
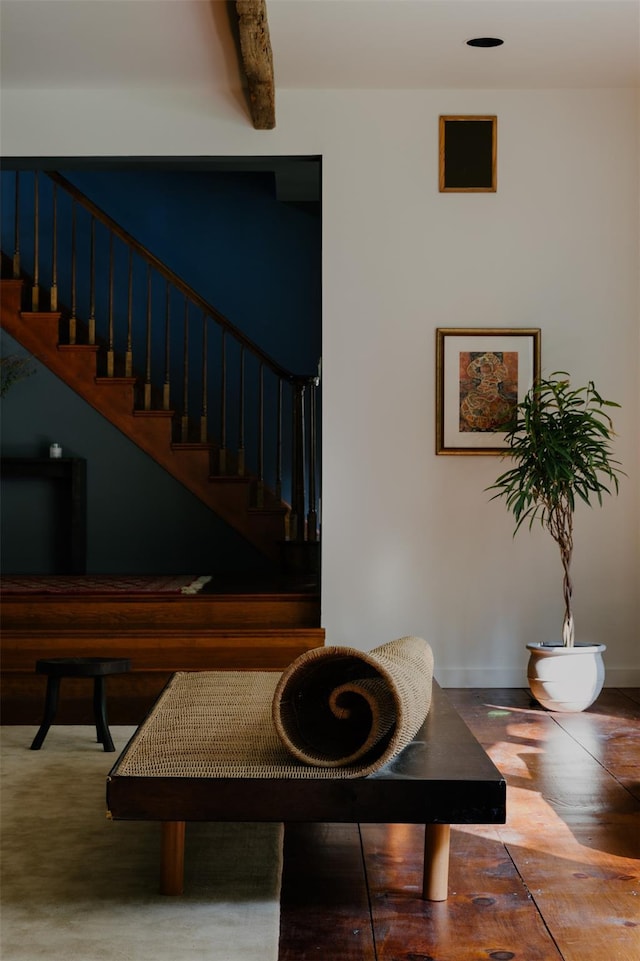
(96, 667)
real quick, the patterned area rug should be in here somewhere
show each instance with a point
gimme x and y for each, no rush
(79, 887)
(101, 584)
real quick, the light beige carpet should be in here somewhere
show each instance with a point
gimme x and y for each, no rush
(78, 887)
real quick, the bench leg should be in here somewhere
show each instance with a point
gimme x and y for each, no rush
(172, 863)
(50, 708)
(435, 881)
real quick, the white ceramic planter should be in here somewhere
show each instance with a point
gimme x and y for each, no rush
(563, 678)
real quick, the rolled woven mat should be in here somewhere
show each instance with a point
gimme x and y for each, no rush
(336, 706)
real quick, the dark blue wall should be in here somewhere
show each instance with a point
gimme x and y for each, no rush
(256, 260)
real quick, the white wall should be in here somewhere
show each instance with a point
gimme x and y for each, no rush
(411, 543)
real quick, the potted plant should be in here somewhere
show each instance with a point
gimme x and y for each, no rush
(560, 444)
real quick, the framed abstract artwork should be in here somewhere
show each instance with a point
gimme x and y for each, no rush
(482, 374)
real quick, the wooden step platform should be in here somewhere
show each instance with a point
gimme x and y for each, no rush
(230, 630)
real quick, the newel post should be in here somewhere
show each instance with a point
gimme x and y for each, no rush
(296, 530)
(312, 515)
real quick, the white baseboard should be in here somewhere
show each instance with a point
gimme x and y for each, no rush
(481, 677)
(622, 676)
(512, 677)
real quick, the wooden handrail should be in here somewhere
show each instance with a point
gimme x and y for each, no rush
(174, 279)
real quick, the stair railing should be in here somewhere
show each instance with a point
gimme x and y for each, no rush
(221, 389)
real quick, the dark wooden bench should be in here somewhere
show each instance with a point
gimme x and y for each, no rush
(442, 777)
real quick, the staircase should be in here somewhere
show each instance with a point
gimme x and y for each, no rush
(165, 368)
(196, 395)
(230, 496)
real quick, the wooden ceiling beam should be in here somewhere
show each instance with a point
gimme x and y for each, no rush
(257, 61)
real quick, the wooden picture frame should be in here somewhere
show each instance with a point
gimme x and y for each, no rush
(482, 374)
(468, 154)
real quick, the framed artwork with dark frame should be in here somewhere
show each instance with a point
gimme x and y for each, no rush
(482, 374)
(468, 154)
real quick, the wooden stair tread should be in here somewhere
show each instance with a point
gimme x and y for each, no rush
(129, 381)
(53, 613)
(41, 314)
(154, 413)
(191, 445)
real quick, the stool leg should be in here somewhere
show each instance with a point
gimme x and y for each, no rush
(50, 708)
(100, 713)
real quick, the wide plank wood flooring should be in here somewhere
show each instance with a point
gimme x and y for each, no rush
(559, 882)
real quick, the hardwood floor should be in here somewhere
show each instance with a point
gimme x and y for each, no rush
(559, 882)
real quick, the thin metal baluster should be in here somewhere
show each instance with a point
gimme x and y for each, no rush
(279, 443)
(222, 461)
(166, 390)
(312, 514)
(241, 417)
(203, 416)
(260, 450)
(184, 424)
(73, 321)
(128, 357)
(92, 283)
(54, 252)
(16, 230)
(110, 353)
(147, 379)
(35, 290)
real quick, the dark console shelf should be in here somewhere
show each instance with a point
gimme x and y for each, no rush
(71, 473)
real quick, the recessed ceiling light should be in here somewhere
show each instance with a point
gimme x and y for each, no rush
(485, 42)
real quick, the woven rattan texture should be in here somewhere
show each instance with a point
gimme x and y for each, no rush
(220, 724)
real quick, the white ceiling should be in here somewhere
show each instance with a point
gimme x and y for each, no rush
(322, 43)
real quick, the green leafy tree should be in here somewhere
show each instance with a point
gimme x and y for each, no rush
(560, 443)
